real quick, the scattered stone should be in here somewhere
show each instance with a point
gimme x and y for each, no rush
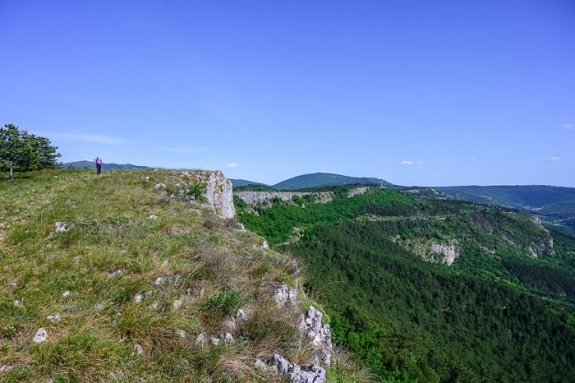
(66, 293)
(41, 335)
(152, 217)
(54, 318)
(160, 186)
(242, 315)
(5, 368)
(115, 273)
(61, 227)
(177, 304)
(139, 349)
(260, 365)
(138, 298)
(77, 259)
(19, 302)
(215, 341)
(201, 339)
(181, 333)
(228, 338)
(159, 281)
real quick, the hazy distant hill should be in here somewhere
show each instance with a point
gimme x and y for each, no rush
(554, 204)
(532, 197)
(105, 166)
(240, 182)
(314, 180)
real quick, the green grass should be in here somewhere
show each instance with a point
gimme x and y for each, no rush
(134, 269)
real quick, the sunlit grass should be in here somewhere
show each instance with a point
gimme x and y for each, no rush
(125, 278)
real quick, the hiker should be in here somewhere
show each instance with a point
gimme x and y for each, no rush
(98, 162)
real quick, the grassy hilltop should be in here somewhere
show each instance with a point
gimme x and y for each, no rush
(132, 285)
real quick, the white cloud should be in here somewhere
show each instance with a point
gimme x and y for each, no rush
(554, 159)
(94, 139)
(232, 165)
(411, 163)
(569, 126)
(474, 159)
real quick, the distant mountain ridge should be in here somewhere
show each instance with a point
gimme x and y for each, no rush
(109, 166)
(317, 180)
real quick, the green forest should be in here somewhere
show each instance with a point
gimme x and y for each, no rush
(503, 311)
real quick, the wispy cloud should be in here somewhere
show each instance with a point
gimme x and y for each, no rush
(569, 126)
(474, 159)
(554, 159)
(232, 165)
(184, 149)
(411, 163)
(90, 138)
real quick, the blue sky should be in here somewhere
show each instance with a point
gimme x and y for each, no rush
(430, 93)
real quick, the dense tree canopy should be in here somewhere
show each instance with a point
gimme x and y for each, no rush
(22, 151)
(499, 313)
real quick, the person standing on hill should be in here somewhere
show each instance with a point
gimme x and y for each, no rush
(98, 162)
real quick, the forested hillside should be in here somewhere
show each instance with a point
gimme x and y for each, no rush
(433, 291)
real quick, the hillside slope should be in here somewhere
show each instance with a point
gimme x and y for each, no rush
(555, 205)
(432, 290)
(130, 276)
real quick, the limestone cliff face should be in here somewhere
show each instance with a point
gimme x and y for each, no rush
(215, 188)
(253, 197)
(219, 193)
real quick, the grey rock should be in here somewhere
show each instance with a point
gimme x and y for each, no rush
(283, 294)
(61, 227)
(307, 373)
(311, 327)
(40, 336)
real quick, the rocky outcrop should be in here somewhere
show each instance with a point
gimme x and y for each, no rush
(252, 197)
(311, 327)
(307, 373)
(449, 252)
(219, 193)
(283, 295)
(208, 186)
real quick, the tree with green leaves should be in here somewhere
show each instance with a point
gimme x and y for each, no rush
(22, 151)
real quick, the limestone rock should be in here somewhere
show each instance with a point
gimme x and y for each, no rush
(139, 349)
(307, 373)
(54, 318)
(449, 252)
(61, 227)
(41, 335)
(283, 294)
(219, 192)
(311, 327)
